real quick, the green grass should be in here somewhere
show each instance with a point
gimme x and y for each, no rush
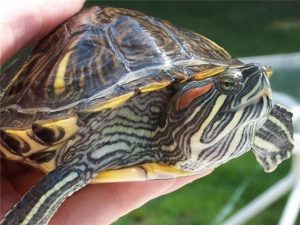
(244, 29)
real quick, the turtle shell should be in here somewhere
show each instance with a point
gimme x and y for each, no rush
(96, 60)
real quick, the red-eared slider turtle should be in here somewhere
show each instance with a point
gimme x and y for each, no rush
(116, 95)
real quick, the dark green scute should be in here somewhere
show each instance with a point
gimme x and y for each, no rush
(29, 88)
(144, 43)
(200, 47)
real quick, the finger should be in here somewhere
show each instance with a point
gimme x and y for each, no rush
(21, 176)
(21, 22)
(16, 179)
(12, 168)
(180, 182)
(104, 203)
(22, 182)
(15, 185)
(8, 194)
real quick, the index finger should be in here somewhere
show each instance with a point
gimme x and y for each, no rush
(22, 22)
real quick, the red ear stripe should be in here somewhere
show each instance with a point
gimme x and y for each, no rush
(188, 96)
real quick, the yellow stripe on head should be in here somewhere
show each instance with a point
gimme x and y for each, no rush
(195, 139)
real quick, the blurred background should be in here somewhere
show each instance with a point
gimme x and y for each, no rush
(244, 29)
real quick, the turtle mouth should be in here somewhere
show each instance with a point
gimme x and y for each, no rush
(265, 96)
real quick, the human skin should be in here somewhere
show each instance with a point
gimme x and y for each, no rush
(24, 22)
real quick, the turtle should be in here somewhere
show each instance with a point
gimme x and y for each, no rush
(116, 95)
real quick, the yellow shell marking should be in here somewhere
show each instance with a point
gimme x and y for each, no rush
(23, 137)
(59, 83)
(68, 124)
(27, 137)
(47, 166)
(115, 102)
(209, 73)
(9, 155)
(139, 173)
(18, 74)
(155, 86)
(110, 104)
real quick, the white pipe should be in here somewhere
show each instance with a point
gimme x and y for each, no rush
(262, 201)
(275, 192)
(292, 207)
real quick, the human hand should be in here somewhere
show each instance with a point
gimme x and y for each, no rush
(23, 22)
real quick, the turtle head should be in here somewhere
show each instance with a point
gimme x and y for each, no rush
(220, 115)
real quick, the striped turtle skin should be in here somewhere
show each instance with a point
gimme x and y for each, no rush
(115, 95)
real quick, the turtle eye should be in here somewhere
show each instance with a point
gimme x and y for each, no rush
(228, 84)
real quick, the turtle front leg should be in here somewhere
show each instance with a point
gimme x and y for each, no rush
(42, 201)
(81, 163)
